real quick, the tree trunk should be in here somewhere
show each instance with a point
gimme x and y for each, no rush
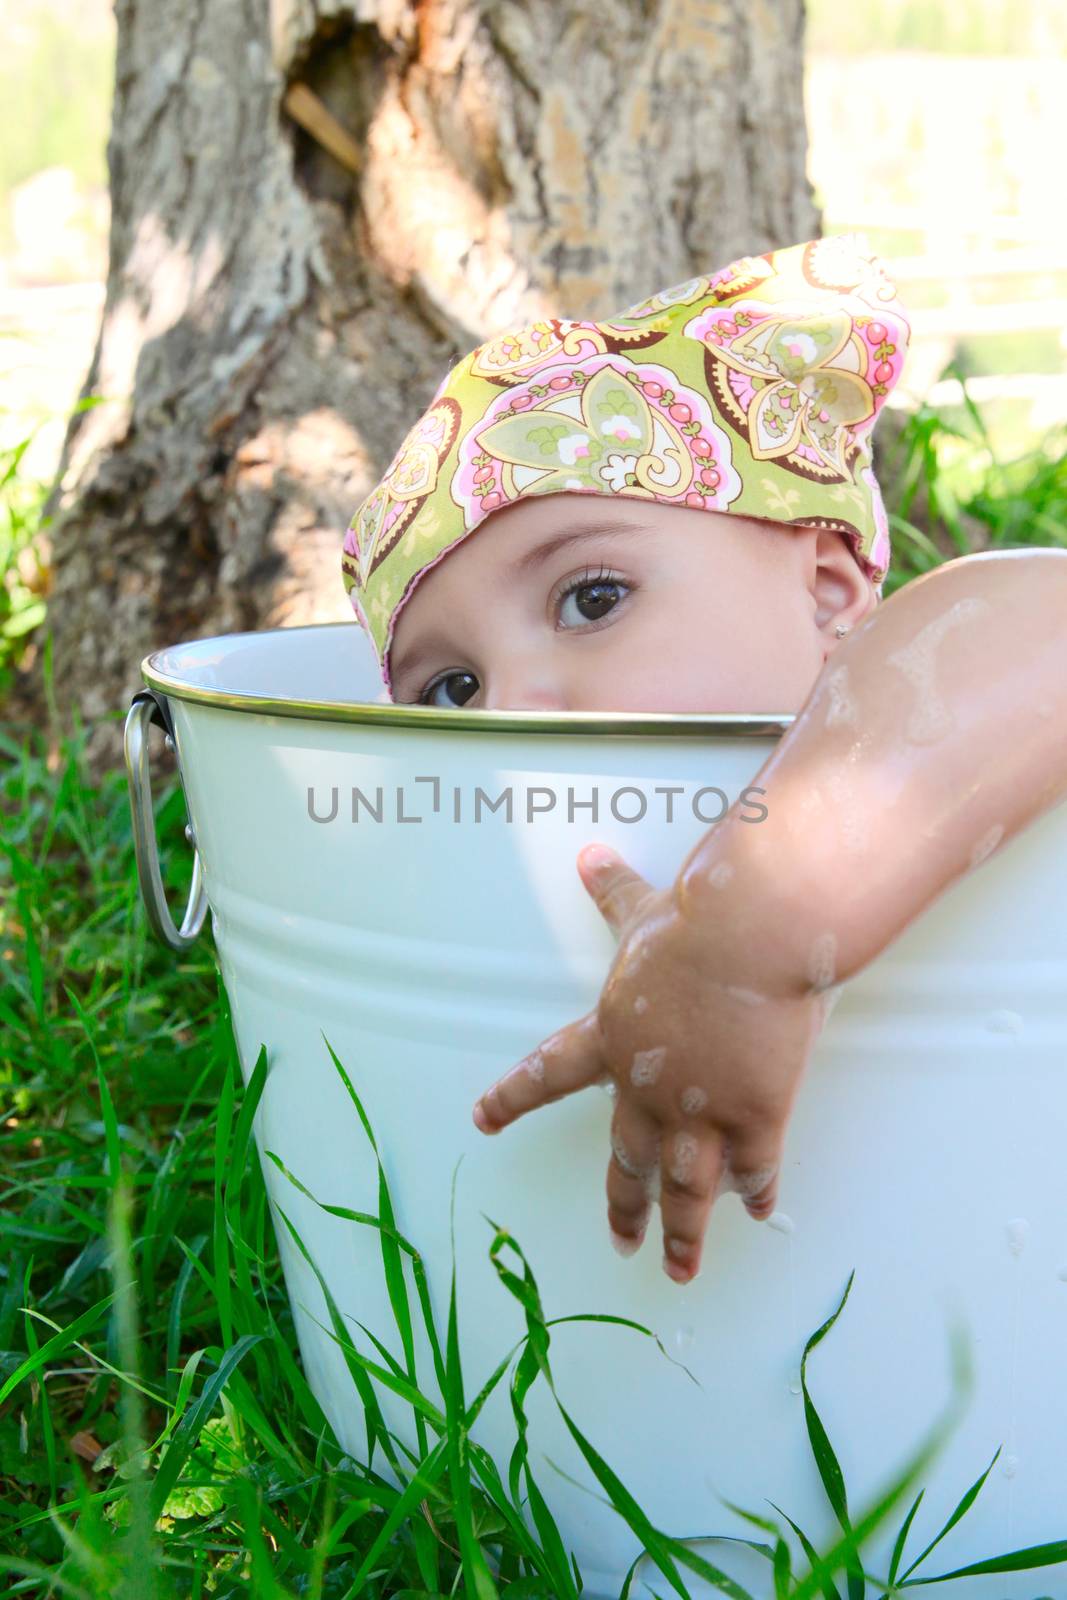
(277, 315)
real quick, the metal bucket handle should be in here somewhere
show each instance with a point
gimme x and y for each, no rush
(146, 707)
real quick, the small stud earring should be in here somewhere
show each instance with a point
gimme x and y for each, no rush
(841, 630)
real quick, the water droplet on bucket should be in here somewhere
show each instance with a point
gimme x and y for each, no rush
(1011, 1466)
(684, 1337)
(1062, 1274)
(1004, 1022)
(780, 1222)
(1017, 1231)
(794, 1381)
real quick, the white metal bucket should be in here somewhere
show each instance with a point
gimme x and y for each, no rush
(926, 1150)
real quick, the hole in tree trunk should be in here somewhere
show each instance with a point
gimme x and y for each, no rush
(345, 67)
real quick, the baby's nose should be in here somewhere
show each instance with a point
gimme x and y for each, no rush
(519, 692)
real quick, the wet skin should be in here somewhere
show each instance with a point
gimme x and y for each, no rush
(928, 727)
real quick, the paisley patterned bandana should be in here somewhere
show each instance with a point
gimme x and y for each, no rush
(753, 389)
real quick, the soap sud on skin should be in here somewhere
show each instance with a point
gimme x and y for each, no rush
(678, 1248)
(647, 1066)
(780, 1222)
(624, 1159)
(626, 1247)
(842, 710)
(649, 1174)
(720, 874)
(932, 719)
(1017, 1231)
(693, 1100)
(754, 1183)
(821, 962)
(684, 1159)
(640, 1005)
(747, 1186)
(830, 997)
(853, 824)
(987, 844)
(534, 1067)
(747, 997)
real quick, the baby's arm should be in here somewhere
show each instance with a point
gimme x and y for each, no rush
(933, 735)
(936, 733)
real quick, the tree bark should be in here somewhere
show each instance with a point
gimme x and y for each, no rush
(277, 315)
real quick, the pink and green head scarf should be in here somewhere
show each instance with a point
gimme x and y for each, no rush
(752, 389)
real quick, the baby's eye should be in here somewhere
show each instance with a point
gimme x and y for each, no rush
(593, 597)
(427, 698)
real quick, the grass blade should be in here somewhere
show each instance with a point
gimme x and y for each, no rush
(901, 1539)
(425, 1477)
(373, 1420)
(659, 1546)
(478, 1579)
(188, 1430)
(833, 1478)
(829, 1587)
(847, 1547)
(391, 1258)
(1035, 1555)
(55, 1346)
(961, 1510)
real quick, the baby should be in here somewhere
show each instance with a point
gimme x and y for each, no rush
(728, 420)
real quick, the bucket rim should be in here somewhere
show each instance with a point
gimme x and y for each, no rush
(716, 724)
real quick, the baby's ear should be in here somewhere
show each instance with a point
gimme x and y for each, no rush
(842, 591)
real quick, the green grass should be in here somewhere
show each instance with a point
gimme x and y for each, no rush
(950, 490)
(55, 87)
(157, 1435)
(24, 566)
(965, 28)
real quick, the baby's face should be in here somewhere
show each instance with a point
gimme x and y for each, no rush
(573, 602)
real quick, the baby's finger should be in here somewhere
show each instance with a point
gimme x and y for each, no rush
(618, 890)
(692, 1162)
(566, 1061)
(633, 1175)
(755, 1158)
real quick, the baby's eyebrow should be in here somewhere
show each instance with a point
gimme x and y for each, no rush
(534, 558)
(414, 659)
(594, 530)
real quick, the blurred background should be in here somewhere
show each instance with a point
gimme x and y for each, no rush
(314, 212)
(938, 130)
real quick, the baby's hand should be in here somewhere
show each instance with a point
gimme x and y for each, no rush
(706, 1066)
